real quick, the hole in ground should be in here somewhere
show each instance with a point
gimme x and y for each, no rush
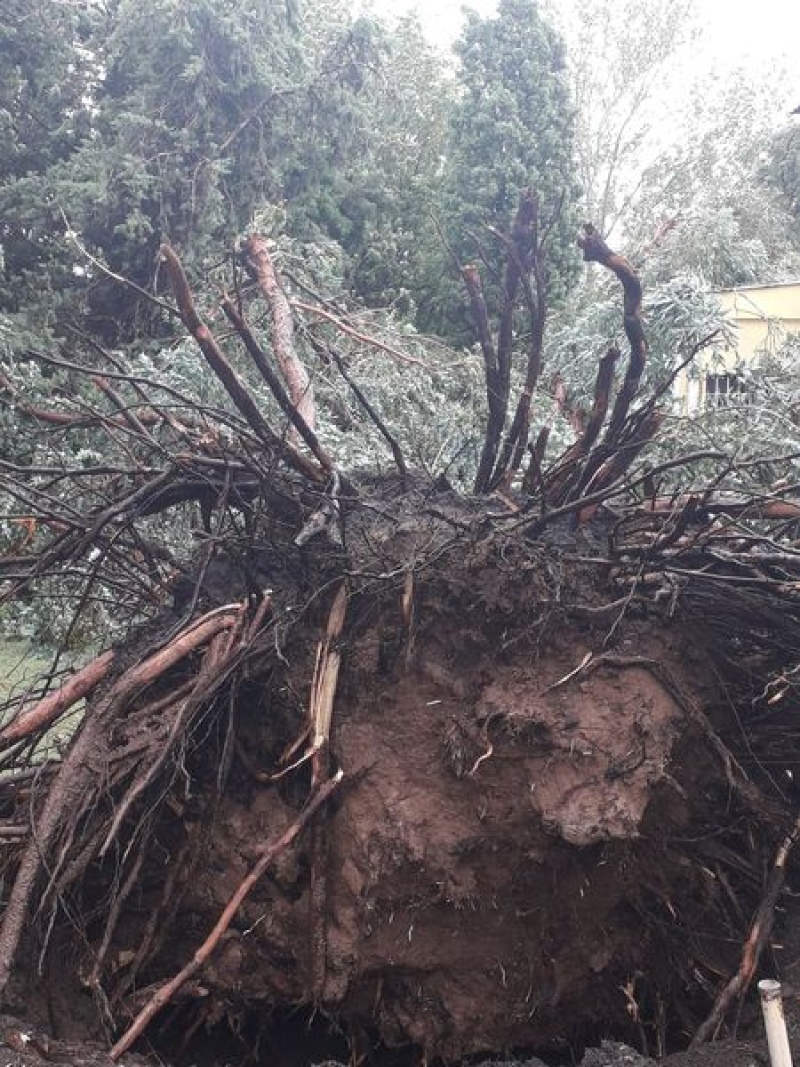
(304, 1037)
(275, 1039)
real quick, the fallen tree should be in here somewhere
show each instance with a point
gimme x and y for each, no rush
(468, 772)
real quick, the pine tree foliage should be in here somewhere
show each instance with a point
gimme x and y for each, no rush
(43, 82)
(512, 128)
(202, 116)
(395, 261)
(46, 78)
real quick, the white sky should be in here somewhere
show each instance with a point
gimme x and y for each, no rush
(735, 32)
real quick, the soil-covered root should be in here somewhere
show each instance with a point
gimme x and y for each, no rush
(538, 837)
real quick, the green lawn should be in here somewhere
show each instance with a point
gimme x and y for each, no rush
(20, 666)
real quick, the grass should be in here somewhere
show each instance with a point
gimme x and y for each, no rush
(21, 665)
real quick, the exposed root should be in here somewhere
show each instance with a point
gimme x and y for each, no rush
(757, 940)
(76, 783)
(167, 991)
(48, 711)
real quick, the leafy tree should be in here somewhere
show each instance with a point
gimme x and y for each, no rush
(46, 79)
(782, 169)
(623, 60)
(704, 205)
(512, 128)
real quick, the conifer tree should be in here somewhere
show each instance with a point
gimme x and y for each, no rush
(46, 77)
(512, 128)
(199, 117)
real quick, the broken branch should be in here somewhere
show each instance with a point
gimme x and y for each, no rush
(218, 362)
(298, 382)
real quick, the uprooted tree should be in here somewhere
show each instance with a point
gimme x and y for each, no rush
(471, 772)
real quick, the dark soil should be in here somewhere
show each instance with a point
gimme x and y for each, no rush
(23, 1046)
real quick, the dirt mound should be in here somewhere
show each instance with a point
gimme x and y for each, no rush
(527, 831)
(508, 850)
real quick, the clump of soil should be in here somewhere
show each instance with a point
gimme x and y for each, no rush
(508, 849)
(535, 842)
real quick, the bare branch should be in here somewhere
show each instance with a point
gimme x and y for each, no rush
(295, 375)
(218, 362)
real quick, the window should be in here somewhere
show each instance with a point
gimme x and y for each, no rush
(725, 389)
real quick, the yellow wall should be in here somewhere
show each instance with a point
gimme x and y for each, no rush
(762, 316)
(759, 310)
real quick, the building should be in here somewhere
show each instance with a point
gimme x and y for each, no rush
(763, 316)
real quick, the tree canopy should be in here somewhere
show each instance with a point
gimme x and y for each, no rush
(187, 123)
(379, 171)
(512, 128)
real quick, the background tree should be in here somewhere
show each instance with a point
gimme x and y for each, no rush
(396, 259)
(46, 80)
(204, 114)
(705, 205)
(783, 167)
(624, 62)
(512, 128)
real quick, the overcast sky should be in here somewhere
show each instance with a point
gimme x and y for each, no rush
(735, 32)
